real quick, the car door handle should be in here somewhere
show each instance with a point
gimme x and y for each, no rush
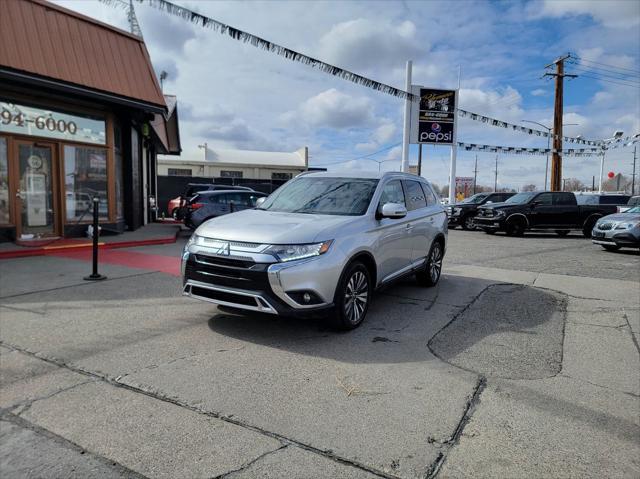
(431, 219)
(409, 226)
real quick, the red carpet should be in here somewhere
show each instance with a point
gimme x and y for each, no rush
(151, 262)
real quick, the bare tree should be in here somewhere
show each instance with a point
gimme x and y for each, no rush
(530, 187)
(574, 184)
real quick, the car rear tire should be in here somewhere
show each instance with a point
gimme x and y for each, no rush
(588, 227)
(562, 232)
(352, 297)
(468, 223)
(610, 247)
(429, 275)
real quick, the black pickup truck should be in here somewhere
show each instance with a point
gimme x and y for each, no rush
(557, 211)
(464, 213)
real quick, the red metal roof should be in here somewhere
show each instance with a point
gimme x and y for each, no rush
(40, 38)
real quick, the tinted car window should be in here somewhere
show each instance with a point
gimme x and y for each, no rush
(415, 195)
(238, 199)
(614, 200)
(429, 195)
(545, 199)
(392, 193)
(564, 199)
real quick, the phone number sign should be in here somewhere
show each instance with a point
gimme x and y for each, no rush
(32, 121)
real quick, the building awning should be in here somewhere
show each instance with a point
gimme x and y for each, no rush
(40, 41)
(165, 127)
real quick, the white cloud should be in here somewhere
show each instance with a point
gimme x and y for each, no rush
(332, 109)
(539, 92)
(386, 132)
(611, 13)
(361, 44)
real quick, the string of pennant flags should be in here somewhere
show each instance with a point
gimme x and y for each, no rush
(515, 150)
(523, 129)
(292, 55)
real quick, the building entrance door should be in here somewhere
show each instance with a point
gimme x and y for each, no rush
(36, 197)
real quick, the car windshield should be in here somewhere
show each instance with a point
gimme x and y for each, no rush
(475, 199)
(635, 209)
(323, 196)
(521, 198)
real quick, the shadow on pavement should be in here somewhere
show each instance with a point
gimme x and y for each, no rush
(404, 318)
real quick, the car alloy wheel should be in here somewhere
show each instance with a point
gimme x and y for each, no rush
(469, 223)
(429, 274)
(435, 263)
(356, 297)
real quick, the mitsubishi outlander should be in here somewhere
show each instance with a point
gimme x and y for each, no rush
(320, 244)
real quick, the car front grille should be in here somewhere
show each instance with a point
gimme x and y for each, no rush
(231, 273)
(605, 226)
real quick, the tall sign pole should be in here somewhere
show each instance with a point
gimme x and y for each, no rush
(454, 151)
(556, 158)
(407, 122)
(633, 176)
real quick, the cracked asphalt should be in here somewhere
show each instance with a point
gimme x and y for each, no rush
(523, 362)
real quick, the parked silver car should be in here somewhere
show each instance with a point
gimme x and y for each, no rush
(619, 230)
(321, 243)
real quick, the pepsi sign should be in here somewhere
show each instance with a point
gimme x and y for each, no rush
(437, 133)
(435, 116)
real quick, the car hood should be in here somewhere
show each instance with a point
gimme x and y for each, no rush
(496, 205)
(272, 227)
(622, 217)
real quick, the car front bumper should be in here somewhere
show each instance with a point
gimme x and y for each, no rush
(622, 238)
(272, 288)
(489, 223)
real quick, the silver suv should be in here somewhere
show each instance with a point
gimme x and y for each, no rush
(321, 243)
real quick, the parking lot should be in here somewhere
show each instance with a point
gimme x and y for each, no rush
(522, 362)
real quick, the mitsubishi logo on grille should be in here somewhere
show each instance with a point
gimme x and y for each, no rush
(221, 248)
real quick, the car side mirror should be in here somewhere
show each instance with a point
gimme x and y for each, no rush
(260, 200)
(393, 210)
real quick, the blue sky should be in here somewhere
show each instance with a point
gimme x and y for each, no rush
(233, 95)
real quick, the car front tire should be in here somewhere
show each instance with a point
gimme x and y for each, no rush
(610, 247)
(468, 223)
(352, 297)
(430, 274)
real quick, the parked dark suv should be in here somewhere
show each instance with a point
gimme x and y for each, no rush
(464, 213)
(176, 206)
(546, 210)
(210, 204)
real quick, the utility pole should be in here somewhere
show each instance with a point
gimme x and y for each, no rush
(556, 159)
(633, 176)
(495, 183)
(420, 159)
(475, 175)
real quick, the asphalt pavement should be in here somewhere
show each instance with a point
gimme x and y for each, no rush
(523, 362)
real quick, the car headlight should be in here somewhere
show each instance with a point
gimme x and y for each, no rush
(292, 252)
(195, 239)
(627, 225)
(498, 213)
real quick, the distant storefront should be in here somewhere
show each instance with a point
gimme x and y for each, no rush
(81, 116)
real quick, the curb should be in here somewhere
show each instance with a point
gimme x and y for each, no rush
(44, 250)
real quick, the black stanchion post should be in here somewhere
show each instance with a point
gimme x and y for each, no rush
(95, 276)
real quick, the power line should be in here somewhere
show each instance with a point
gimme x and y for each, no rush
(586, 75)
(363, 156)
(586, 70)
(605, 64)
(600, 69)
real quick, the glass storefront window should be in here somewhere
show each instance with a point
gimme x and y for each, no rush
(85, 176)
(4, 182)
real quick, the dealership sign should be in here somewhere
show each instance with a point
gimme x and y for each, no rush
(433, 119)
